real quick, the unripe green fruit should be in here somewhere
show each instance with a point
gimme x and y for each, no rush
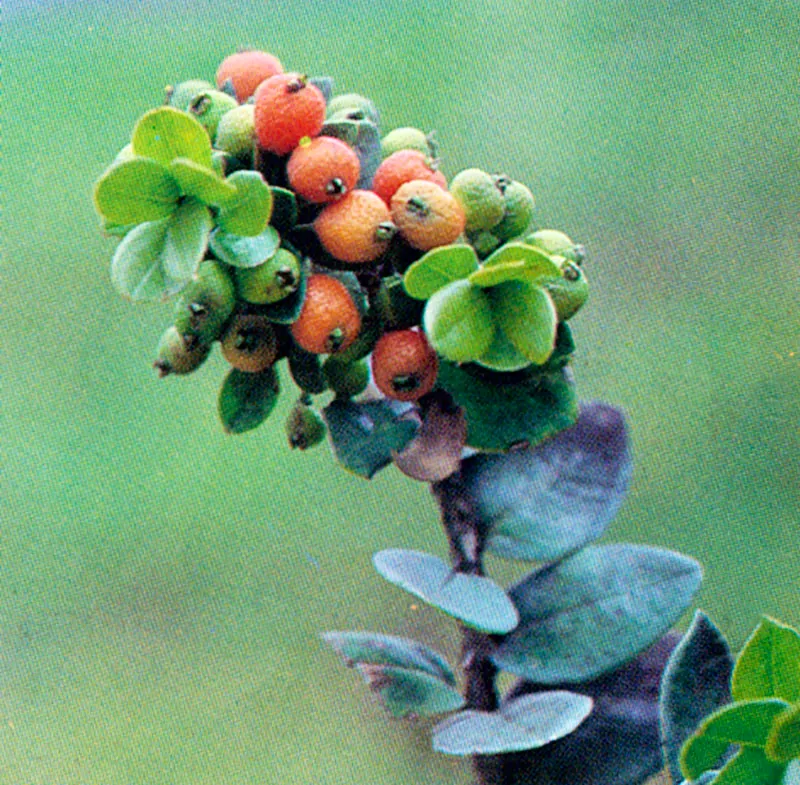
(236, 131)
(177, 355)
(405, 139)
(518, 209)
(484, 242)
(569, 292)
(550, 240)
(351, 106)
(480, 197)
(271, 281)
(250, 343)
(346, 379)
(209, 107)
(304, 427)
(206, 303)
(180, 96)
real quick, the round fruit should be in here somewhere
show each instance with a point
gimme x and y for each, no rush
(287, 108)
(206, 303)
(346, 378)
(246, 70)
(401, 167)
(481, 198)
(426, 215)
(518, 207)
(236, 131)
(351, 106)
(550, 240)
(250, 343)
(405, 139)
(180, 96)
(271, 281)
(357, 228)
(404, 365)
(175, 354)
(209, 107)
(329, 320)
(323, 170)
(304, 427)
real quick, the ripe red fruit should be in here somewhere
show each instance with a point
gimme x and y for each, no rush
(247, 70)
(404, 365)
(323, 170)
(287, 108)
(402, 167)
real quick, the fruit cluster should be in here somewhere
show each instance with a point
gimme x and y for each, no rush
(285, 227)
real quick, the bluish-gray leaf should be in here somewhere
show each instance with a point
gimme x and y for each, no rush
(365, 435)
(618, 743)
(239, 251)
(475, 601)
(376, 649)
(368, 149)
(594, 611)
(524, 723)
(543, 502)
(696, 683)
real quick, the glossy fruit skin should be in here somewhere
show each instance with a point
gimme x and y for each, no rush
(329, 320)
(323, 169)
(177, 355)
(426, 215)
(404, 365)
(206, 303)
(355, 229)
(271, 281)
(401, 167)
(287, 108)
(236, 131)
(480, 197)
(246, 71)
(250, 343)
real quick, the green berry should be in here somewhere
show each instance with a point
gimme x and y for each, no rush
(176, 354)
(236, 131)
(569, 292)
(406, 139)
(209, 107)
(351, 106)
(271, 281)
(206, 303)
(346, 379)
(304, 427)
(480, 197)
(181, 95)
(550, 240)
(518, 209)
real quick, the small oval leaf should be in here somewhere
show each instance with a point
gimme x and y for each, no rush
(437, 268)
(166, 133)
(249, 211)
(769, 664)
(238, 251)
(134, 191)
(186, 239)
(201, 182)
(521, 724)
(538, 262)
(527, 315)
(247, 399)
(475, 601)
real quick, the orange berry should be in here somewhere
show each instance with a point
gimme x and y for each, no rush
(357, 228)
(404, 365)
(426, 215)
(247, 70)
(323, 169)
(329, 320)
(401, 167)
(288, 107)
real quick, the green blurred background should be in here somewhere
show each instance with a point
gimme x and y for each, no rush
(162, 586)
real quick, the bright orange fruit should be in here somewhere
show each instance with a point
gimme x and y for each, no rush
(404, 365)
(357, 228)
(323, 170)
(399, 168)
(247, 70)
(426, 215)
(329, 320)
(287, 108)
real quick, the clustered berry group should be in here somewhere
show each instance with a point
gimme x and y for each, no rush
(302, 234)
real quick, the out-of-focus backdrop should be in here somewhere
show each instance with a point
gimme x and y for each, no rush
(163, 585)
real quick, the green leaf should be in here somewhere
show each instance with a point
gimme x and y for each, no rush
(592, 612)
(541, 503)
(458, 321)
(538, 262)
(437, 268)
(372, 648)
(783, 743)
(135, 191)
(365, 435)
(746, 723)
(248, 212)
(527, 315)
(166, 133)
(498, 273)
(769, 664)
(509, 409)
(749, 767)
(406, 692)
(521, 724)
(502, 355)
(345, 130)
(247, 399)
(238, 251)
(475, 601)
(155, 259)
(201, 182)
(368, 149)
(696, 682)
